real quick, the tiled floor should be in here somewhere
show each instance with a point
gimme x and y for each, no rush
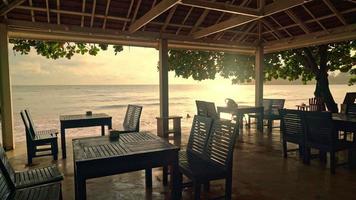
(260, 173)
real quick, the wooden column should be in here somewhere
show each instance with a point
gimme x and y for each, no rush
(259, 76)
(5, 91)
(163, 82)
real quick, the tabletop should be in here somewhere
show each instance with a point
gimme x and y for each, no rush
(127, 144)
(344, 117)
(83, 116)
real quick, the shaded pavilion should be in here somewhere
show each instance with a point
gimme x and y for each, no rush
(252, 27)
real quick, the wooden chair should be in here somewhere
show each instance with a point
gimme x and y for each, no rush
(273, 115)
(132, 119)
(267, 107)
(316, 104)
(42, 192)
(207, 109)
(215, 162)
(38, 143)
(293, 130)
(321, 134)
(29, 178)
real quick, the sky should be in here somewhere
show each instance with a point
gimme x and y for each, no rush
(134, 65)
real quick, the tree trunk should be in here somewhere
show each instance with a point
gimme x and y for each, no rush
(322, 90)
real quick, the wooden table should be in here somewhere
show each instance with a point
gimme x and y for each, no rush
(241, 110)
(98, 156)
(78, 121)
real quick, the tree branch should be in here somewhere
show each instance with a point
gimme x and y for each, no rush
(323, 53)
(309, 60)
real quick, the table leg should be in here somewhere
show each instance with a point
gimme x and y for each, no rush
(148, 175)
(176, 178)
(165, 175)
(260, 121)
(102, 130)
(63, 142)
(80, 188)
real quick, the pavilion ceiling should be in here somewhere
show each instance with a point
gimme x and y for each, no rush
(235, 25)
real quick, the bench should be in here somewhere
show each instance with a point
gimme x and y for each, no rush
(209, 154)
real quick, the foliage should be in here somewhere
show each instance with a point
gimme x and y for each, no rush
(55, 50)
(292, 64)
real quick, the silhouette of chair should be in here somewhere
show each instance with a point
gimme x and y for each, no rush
(38, 141)
(132, 119)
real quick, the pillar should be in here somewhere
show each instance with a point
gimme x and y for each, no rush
(5, 91)
(163, 82)
(259, 76)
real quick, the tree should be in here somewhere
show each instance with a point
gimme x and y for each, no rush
(306, 64)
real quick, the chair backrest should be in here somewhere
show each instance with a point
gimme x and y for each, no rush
(351, 109)
(132, 118)
(267, 105)
(350, 98)
(319, 128)
(221, 142)
(6, 168)
(206, 109)
(32, 127)
(199, 134)
(29, 134)
(319, 102)
(201, 108)
(292, 123)
(277, 104)
(5, 188)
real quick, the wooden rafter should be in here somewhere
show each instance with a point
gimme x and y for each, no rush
(106, 13)
(301, 24)
(153, 5)
(221, 34)
(128, 14)
(222, 7)
(184, 20)
(312, 15)
(334, 10)
(32, 11)
(275, 32)
(83, 11)
(93, 13)
(169, 17)
(270, 9)
(153, 13)
(47, 10)
(58, 15)
(10, 6)
(251, 26)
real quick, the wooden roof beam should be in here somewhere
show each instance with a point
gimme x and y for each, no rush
(106, 13)
(83, 10)
(152, 14)
(10, 6)
(222, 7)
(270, 9)
(338, 34)
(93, 14)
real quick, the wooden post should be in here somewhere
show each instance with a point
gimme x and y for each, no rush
(259, 76)
(5, 91)
(163, 82)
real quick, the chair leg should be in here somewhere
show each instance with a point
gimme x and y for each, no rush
(228, 187)
(332, 162)
(322, 157)
(270, 124)
(55, 150)
(207, 186)
(285, 153)
(301, 151)
(307, 155)
(197, 187)
(249, 121)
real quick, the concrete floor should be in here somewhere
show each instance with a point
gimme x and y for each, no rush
(259, 173)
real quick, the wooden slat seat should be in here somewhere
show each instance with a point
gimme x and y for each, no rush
(29, 178)
(35, 139)
(42, 192)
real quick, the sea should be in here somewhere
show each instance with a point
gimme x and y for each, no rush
(47, 103)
